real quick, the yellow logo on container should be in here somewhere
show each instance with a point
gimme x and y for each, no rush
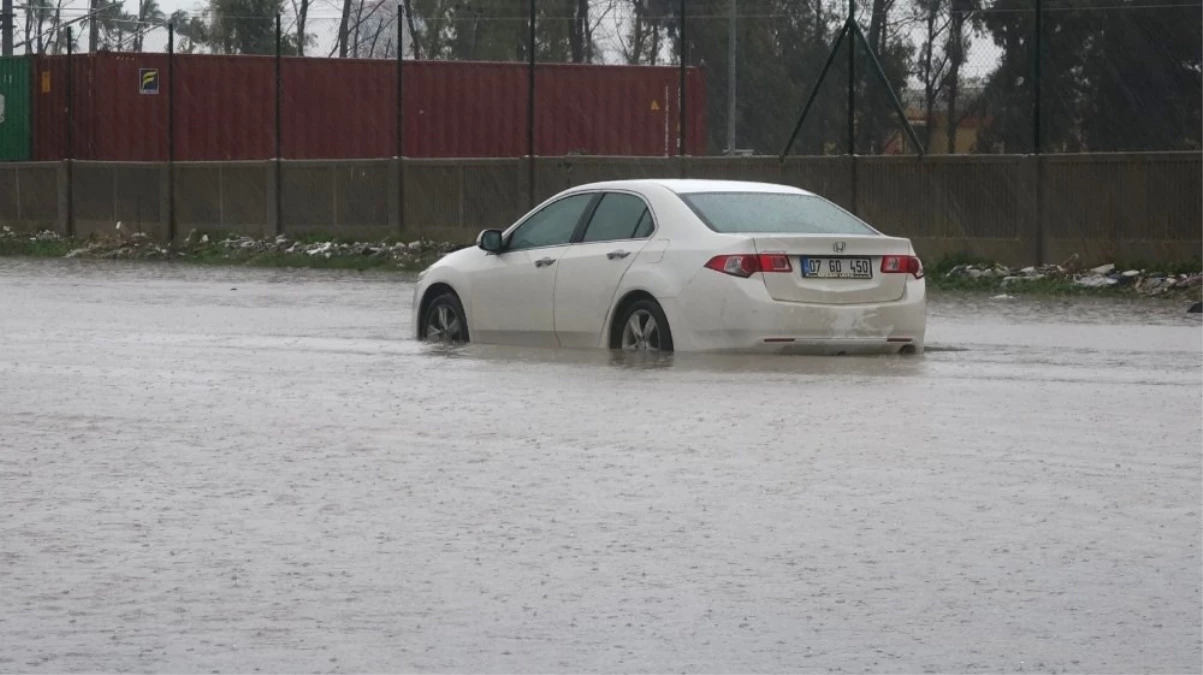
(149, 81)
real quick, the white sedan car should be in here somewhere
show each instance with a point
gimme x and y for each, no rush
(685, 265)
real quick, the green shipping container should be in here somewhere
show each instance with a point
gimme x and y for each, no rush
(15, 109)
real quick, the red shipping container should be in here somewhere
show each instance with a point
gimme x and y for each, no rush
(458, 109)
(49, 103)
(126, 113)
(225, 108)
(116, 116)
(617, 110)
(55, 101)
(338, 108)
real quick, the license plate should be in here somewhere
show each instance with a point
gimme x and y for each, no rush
(837, 268)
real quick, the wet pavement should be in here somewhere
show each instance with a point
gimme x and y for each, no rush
(217, 470)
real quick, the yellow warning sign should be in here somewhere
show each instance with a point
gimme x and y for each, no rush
(655, 105)
(45, 81)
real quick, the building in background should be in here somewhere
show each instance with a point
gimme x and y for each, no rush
(969, 122)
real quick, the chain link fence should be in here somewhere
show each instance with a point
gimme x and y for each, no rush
(293, 116)
(970, 76)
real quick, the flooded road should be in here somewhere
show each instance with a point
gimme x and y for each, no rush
(226, 470)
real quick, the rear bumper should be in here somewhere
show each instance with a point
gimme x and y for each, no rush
(724, 313)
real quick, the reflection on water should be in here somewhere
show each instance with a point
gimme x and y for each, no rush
(1061, 310)
(539, 358)
(373, 314)
(1033, 352)
(108, 271)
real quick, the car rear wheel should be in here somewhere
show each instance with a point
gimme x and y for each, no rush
(445, 321)
(644, 328)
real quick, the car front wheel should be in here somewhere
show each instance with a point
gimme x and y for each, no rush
(445, 321)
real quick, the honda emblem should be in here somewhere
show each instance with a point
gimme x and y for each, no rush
(838, 247)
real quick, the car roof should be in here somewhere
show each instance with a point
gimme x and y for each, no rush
(694, 185)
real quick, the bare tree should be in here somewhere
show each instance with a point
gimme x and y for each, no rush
(931, 70)
(958, 44)
(37, 14)
(413, 33)
(93, 25)
(302, 12)
(428, 25)
(149, 14)
(632, 49)
(372, 22)
(643, 44)
(344, 25)
(580, 37)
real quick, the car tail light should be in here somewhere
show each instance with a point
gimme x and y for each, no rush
(747, 264)
(902, 264)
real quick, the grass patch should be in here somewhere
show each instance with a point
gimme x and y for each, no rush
(301, 260)
(212, 252)
(945, 265)
(1045, 286)
(37, 248)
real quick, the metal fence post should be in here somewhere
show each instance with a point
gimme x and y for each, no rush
(852, 103)
(851, 83)
(6, 27)
(171, 233)
(530, 109)
(279, 225)
(70, 133)
(1037, 141)
(732, 79)
(400, 116)
(1037, 128)
(681, 94)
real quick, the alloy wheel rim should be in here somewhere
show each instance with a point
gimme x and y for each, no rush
(641, 332)
(443, 324)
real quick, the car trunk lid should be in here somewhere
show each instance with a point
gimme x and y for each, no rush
(834, 269)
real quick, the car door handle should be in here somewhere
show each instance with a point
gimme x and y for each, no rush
(544, 262)
(616, 255)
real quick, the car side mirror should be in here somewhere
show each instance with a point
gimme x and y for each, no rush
(490, 240)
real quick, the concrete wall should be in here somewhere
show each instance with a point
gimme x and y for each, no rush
(226, 196)
(1144, 207)
(30, 195)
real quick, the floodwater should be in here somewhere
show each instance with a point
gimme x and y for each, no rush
(215, 470)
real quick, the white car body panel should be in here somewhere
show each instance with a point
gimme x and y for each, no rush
(496, 280)
(795, 288)
(587, 281)
(572, 302)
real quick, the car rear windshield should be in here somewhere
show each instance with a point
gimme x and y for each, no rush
(772, 213)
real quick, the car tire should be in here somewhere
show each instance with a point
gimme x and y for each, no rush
(624, 336)
(445, 320)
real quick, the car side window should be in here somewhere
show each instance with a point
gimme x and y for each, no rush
(644, 229)
(618, 216)
(551, 226)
